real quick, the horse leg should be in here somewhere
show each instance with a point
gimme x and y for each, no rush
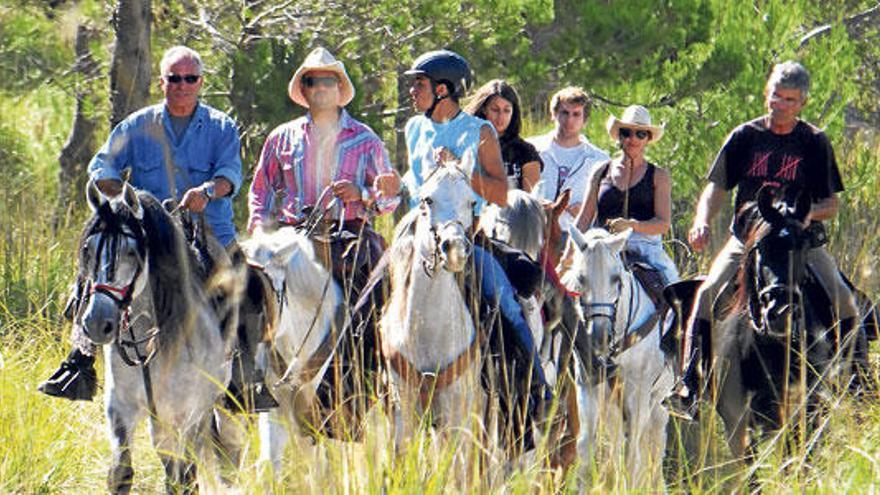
(734, 408)
(227, 445)
(121, 426)
(273, 436)
(180, 469)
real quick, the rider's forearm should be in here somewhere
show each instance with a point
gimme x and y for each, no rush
(711, 199)
(824, 209)
(492, 189)
(654, 226)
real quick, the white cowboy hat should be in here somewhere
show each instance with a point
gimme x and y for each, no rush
(634, 117)
(320, 59)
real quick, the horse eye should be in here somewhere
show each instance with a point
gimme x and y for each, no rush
(428, 201)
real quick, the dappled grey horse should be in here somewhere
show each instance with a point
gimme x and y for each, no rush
(616, 306)
(308, 322)
(167, 333)
(429, 339)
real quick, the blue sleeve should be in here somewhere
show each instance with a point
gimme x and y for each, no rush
(228, 149)
(114, 157)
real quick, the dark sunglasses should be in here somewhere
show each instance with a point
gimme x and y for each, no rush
(641, 134)
(177, 78)
(326, 81)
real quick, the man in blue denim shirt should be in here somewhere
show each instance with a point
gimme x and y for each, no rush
(180, 149)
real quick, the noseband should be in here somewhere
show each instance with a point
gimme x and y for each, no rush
(432, 260)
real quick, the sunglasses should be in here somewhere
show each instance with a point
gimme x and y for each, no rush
(625, 133)
(326, 81)
(177, 78)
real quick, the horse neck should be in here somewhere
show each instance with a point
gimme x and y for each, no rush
(312, 298)
(634, 305)
(436, 325)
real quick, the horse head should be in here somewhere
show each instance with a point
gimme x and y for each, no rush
(446, 203)
(112, 260)
(774, 266)
(598, 273)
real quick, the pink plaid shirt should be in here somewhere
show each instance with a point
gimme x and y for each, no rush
(283, 172)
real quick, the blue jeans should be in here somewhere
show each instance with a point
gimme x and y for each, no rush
(496, 287)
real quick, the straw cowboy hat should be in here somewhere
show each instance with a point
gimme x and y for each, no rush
(634, 117)
(320, 59)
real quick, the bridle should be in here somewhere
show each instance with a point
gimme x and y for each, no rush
(431, 261)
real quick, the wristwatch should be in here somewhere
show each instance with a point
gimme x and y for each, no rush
(208, 190)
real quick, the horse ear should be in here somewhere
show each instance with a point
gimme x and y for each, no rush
(575, 234)
(566, 261)
(802, 206)
(94, 197)
(766, 195)
(129, 195)
(561, 203)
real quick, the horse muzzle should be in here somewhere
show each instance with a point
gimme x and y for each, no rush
(779, 311)
(454, 253)
(100, 319)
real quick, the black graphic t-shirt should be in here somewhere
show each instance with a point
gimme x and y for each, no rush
(515, 153)
(753, 156)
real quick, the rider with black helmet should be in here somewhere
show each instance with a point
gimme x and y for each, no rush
(443, 133)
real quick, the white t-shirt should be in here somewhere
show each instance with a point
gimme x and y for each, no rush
(566, 168)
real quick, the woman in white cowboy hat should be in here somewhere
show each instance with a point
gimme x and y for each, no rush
(629, 192)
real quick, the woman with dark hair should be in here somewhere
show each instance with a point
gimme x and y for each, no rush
(629, 192)
(498, 103)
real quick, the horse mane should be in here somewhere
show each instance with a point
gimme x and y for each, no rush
(524, 218)
(755, 228)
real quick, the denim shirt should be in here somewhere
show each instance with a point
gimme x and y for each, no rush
(146, 144)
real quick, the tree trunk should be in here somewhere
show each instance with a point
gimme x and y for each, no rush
(130, 66)
(80, 144)
(400, 118)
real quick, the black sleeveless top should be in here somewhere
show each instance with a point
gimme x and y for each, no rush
(638, 199)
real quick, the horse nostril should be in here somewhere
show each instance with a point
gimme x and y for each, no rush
(108, 328)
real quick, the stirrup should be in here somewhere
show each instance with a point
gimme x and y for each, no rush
(71, 381)
(685, 407)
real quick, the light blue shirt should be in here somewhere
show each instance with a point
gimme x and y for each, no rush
(461, 136)
(145, 144)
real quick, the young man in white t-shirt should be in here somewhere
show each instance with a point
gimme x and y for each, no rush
(567, 154)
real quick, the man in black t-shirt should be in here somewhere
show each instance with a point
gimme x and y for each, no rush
(776, 149)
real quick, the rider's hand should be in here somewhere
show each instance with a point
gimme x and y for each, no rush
(443, 155)
(698, 236)
(388, 185)
(346, 190)
(616, 225)
(194, 200)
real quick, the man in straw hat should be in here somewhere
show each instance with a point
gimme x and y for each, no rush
(329, 162)
(325, 150)
(628, 192)
(781, 150)
(567, 155)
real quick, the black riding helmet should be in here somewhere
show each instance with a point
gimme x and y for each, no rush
(443, 67)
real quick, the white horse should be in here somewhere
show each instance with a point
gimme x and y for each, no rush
(167, 350)
(306, 323)
(429, 340)
(616, 306)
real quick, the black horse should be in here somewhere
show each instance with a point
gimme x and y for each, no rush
(772, 352)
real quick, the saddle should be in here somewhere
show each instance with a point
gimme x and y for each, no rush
(650, 278)
(525, 274)
(350, 252)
